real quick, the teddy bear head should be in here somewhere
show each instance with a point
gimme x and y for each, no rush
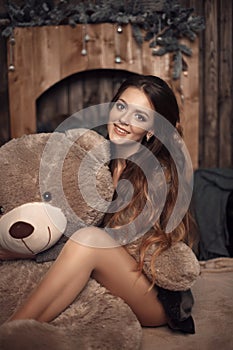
(45, 180)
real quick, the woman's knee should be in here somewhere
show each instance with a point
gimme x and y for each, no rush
(93, 237)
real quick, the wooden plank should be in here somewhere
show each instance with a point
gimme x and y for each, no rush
(46, 57)
(45, 112)
(134, 52)
(75, 94)
(124, 49)
(105, 91)
(97, 58)
(4, 112)
(107, 45)
(52, 108)
(210, 156)
(190, 112)
(199, 10)
(225, 85)
(155, 65)
(21, 92)
(62, 102)
(71, 59)
(90, 86)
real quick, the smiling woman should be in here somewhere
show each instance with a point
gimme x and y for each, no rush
(140, 224)
(131, 117)
(139, 104)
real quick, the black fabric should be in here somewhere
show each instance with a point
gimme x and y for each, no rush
(178, 307)
(212, 188)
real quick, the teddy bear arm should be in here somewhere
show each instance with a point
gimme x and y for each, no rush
(177, 268)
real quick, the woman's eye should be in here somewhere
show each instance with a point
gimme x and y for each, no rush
(120, 106)
(140, 117)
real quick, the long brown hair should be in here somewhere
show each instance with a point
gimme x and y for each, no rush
(164, 102)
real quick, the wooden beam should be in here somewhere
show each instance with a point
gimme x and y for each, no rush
(225, 105)
(211, 66)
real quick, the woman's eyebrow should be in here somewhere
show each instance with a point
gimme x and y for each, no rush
(122, 100)
(142, 111)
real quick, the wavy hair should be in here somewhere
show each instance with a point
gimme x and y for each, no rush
(164, 102)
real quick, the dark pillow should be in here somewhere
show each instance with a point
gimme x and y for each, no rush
(178, 307)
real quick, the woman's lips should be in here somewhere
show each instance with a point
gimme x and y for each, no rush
(120, 131)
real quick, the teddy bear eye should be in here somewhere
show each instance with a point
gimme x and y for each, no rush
(47, 196)
(1, 210)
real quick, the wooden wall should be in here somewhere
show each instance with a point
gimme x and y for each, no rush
(44, 56)
(48, 55)
(215, 84)
(4, 105)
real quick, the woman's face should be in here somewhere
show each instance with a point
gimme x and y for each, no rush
(131, 117)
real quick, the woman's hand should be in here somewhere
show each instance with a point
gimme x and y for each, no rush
(8, 255)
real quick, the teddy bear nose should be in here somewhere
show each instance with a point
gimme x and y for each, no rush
(21, 229)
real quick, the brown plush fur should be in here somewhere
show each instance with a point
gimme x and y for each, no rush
(95, 320)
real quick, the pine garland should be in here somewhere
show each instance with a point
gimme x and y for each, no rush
(160, 22)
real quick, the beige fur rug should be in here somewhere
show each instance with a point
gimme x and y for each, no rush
(98, 320)
(95, 320)
(212, 313)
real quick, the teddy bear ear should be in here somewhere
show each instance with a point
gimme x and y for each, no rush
(19, 164)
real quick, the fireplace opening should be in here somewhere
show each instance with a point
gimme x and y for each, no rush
(76, 92)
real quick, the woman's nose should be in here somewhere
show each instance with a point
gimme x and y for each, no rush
(125, 118)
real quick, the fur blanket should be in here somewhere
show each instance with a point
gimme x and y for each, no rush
(212, 312)
(95, 320)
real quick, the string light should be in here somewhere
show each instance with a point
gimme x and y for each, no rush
(11, 54)
(85, 39)
(118, 57)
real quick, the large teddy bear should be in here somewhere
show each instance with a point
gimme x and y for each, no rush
(43, 201)
(40, 191)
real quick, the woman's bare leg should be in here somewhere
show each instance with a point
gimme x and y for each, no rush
(113, 267)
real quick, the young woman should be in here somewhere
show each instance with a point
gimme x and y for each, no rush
(92, 251)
